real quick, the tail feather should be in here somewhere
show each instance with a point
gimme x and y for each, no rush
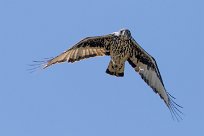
(115, 70)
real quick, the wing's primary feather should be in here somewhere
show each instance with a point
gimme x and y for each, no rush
(146, 66)
(88, 47)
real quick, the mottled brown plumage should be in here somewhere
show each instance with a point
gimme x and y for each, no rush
(121, 47)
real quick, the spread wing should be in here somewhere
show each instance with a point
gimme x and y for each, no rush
(88, 47)
(146, 66)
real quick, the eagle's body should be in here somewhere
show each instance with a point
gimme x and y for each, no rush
(121, 47)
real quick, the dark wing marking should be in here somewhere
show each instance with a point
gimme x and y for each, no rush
(88, 47)
(146, 66)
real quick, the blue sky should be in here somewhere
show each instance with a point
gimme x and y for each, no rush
(80, 99)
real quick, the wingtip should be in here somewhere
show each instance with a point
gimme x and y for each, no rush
(39, 64)
(175, 109)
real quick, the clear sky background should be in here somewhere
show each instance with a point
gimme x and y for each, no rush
(80, 99)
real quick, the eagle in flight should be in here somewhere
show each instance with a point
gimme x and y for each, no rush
(121, 47)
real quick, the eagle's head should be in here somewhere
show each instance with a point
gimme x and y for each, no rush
(123, 33)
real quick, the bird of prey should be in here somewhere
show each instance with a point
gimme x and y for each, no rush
(121, 47)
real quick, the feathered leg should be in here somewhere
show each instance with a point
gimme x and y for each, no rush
(115, 69)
